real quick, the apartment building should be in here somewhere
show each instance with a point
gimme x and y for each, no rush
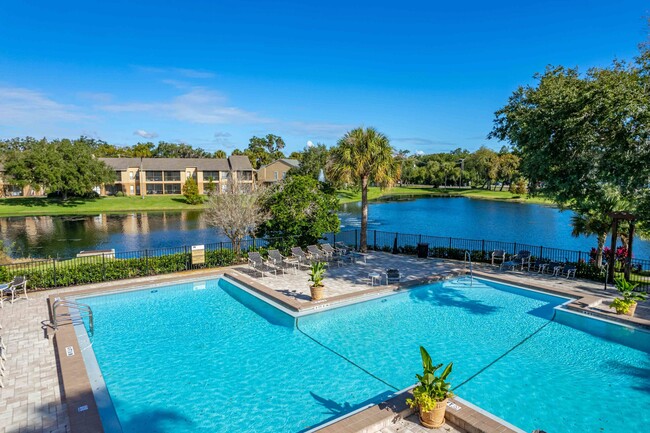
(8, 190)
(276, 171)
(152, 176)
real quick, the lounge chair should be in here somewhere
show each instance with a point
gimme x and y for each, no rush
(257, 263)
(300, 255)
(282, 262)
(393, 276)
(329, 250)
(317, 254)
(11, 288)
(498, 255)
(522, 258)
(566, 270)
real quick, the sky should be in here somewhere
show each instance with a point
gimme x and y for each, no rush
(430, 75)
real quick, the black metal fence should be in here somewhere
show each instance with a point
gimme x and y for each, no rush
(481, 251)
(61, 272)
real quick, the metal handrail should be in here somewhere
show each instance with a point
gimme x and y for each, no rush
(78, 307)
(467, 258)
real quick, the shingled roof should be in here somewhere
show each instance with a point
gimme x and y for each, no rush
(177, 164)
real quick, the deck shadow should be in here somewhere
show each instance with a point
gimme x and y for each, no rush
(440, 296)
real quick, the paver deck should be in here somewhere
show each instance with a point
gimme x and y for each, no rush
(31, 400)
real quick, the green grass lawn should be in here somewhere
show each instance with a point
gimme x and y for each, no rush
(22, 206)
(349, 196)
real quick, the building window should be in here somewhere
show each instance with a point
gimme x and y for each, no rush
(284, 175)
(172, 188)
(153, 176)
(275, 175)
(211, 174)
(131, 190)
(131, 175)
(172, 176)
(154, 188)
(118, 176)
(224, 175)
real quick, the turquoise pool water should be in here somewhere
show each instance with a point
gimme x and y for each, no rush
(209, 357)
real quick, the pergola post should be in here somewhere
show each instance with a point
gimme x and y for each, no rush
(611, 262)
(628, 263)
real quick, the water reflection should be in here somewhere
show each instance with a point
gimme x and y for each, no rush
(64, 236)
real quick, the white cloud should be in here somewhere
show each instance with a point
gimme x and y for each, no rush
(199, 105)
(183, 72)
(419, 152)
(310, 143)
(144, 134)
(24, 106)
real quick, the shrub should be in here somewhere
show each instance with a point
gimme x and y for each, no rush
(119, 194)
(191, 192)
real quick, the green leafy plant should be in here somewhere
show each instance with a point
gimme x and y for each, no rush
(621, 305)
(317, 273)
(432, 389)
(191, 192)
(626, 289)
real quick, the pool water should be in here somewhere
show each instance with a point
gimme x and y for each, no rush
(209, 357)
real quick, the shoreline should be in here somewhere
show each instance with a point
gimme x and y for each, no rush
(42, 206)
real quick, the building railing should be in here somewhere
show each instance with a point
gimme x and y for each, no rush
(109, 266)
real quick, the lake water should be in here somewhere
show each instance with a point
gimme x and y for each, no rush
(46, 236)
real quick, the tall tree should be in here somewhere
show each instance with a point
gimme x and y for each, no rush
(67, 167)
(221, 154)
(236, 212)
(312, 159)
(302, 210)
(264, 150)
(361, 157)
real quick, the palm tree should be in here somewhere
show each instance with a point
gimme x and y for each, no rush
(361, 157)
(592, 218)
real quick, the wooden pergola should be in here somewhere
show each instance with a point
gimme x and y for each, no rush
(616, 217)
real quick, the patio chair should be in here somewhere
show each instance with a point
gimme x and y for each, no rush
(316, 253)
(522, 258)
(300, 255)
(566, 270)
(498, 255)
(393, 276)
(282, 262)
(329, 250)
(257, 263)
(12, 288)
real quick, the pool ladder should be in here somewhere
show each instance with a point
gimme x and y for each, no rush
(74, 316)
(467, 264)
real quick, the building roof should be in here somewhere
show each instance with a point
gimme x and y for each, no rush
(173, 164)
(240, 163)
(293, 163)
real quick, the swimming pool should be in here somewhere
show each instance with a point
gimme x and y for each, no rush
(208, 356)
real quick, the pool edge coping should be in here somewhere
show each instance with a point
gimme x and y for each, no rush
(76, 385)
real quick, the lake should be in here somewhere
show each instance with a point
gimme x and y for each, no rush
(49, 236)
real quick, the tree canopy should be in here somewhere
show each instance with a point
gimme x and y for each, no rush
(584, 138)
(66, 167)
(302, 210)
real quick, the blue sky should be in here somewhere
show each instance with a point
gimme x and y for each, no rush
(215, 73)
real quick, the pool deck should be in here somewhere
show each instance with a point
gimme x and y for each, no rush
(31, 399)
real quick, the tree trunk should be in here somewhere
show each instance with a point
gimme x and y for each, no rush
(363, 241)
(599, 251)
(502, 185)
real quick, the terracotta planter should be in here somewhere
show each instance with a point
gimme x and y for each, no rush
(434, 418)
(317, 293)
(631, 310)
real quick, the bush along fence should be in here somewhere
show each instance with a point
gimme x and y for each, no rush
(49, 273)
(481, 251)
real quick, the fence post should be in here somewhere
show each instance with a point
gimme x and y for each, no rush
(579, 256)
(253, 242)
(188, 260)
(103, 267)
(514, 251)
(483, 248)
(420, 239)
(541, 252)
(221, 246)
(356, 234)
(146, 262)
(450, 243)
(375, 242)
(54, 268)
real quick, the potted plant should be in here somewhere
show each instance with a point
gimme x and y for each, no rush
(627, 304)
(316, 278)
(432, 392)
